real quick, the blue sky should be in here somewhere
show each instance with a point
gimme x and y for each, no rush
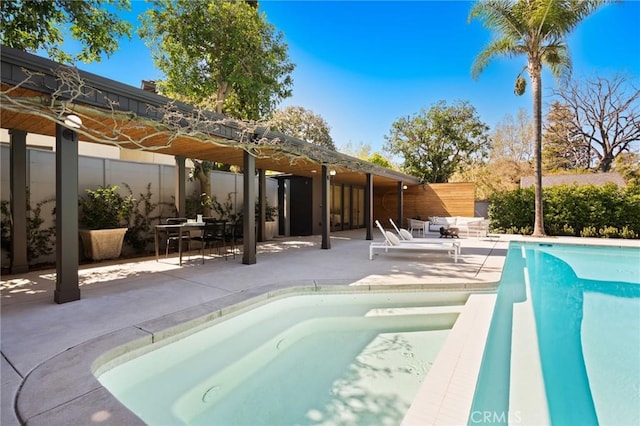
(361, 65)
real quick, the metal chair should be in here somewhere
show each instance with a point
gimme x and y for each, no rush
(213, 233)
(174, 235)
(236, 236)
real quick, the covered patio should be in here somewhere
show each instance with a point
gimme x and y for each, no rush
(43, 97)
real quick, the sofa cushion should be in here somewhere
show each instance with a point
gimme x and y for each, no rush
(442, 221)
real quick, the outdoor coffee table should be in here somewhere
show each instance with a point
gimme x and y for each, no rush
(450, 231)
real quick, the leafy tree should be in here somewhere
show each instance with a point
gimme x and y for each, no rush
(31, 25)
(602, 117)
(363, 151)
(437, 143)
(512, 138)
(218, 54)
(380, 160)
(562, 147)
(501, 174)
(510, 157)
(628, 165)
(536, 29)
(303, 124)
(360, 150)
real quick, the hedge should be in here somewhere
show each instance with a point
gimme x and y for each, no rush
(587, 210)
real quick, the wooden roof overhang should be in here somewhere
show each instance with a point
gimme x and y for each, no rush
(38, 93)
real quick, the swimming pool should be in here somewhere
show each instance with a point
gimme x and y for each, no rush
(348, 358)
(564, 341)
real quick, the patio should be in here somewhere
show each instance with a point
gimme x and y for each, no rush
(120, 296)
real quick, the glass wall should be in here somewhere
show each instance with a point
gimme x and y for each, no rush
(347, 207)
(336, 207)
(346, 211)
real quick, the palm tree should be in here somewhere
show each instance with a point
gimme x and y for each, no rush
(537, 29)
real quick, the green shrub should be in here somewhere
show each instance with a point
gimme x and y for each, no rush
(569, 208)
(104, 208)
(511, 230)
(140, 221)
(589, 231)
(196, 203)
(628, 233)
(511, 210)
(561, 229)
(610, 232)
(40, 239)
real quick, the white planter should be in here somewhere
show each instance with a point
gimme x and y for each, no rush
(270, 230)
(102, 244)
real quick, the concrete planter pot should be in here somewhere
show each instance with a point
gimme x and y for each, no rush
(270, 230)
(102, 244)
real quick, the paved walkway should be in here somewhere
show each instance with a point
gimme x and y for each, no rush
(35, 330)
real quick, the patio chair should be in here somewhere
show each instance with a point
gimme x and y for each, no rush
(213, 234)
(174, 235)
(405, 237)
(417, 225)
(391, 242)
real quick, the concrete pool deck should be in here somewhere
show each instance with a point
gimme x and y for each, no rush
(48, 349)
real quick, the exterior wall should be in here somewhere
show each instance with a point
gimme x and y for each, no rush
(94, 172)
(94, 149)
(438, 199)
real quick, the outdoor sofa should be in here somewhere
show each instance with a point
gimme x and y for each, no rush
(470, 226)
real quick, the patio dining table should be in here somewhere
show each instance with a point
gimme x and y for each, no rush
(181, 228)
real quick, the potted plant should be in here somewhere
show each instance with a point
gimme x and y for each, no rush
(103, 215)
(270, 224)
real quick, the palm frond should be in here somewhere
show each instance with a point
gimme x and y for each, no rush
(496, 48)
(499, 16)
(556, 56)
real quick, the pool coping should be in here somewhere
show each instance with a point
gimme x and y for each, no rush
(446, 394)
(64, 389)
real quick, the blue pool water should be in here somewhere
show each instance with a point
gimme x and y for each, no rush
(313, 358)
(584, 304)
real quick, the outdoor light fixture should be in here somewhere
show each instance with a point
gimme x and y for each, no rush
(73, 121)
(332, 172)
(404, 186)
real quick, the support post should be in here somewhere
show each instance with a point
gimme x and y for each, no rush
(400, 203)
(262, 204)
(368, 206)
(326, 209)
(248, 210)
(67, 253)
(18, 201)
(180, 186)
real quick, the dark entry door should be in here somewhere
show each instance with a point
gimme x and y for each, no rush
(301, 206)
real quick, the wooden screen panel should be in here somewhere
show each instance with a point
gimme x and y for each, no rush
(438, 199)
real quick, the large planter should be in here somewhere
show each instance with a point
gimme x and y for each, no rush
(270, 230)
(102, 244)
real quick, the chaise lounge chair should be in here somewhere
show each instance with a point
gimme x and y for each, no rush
(406, 237)
(391, 242)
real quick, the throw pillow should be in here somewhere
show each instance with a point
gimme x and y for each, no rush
(392, 238)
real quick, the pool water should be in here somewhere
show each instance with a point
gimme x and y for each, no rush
(564, 342)
(350, 358)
